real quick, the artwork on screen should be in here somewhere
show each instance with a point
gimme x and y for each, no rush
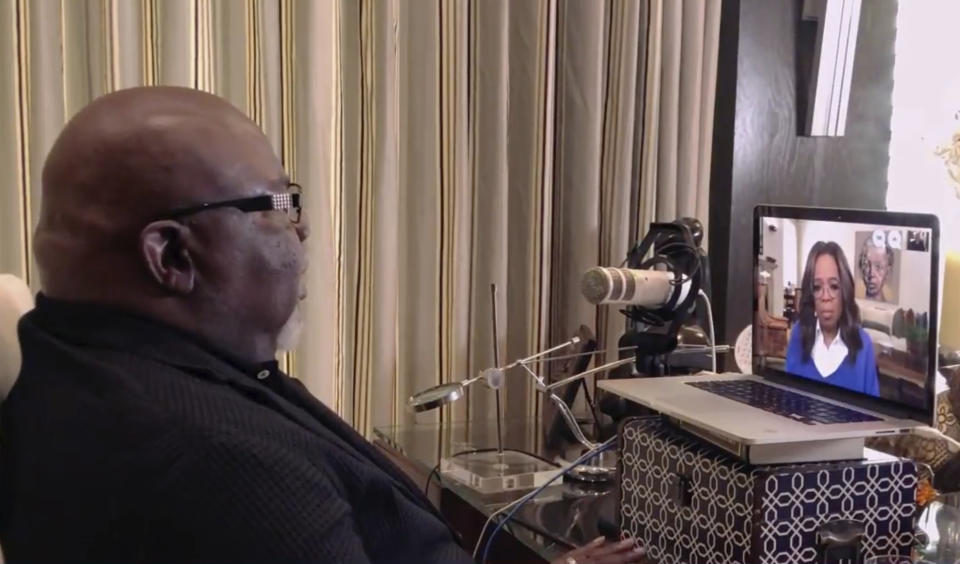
(878, 265)
(847, 305)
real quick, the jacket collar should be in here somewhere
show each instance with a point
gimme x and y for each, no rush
(112, 327)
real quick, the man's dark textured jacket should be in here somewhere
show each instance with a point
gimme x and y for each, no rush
(127, 441)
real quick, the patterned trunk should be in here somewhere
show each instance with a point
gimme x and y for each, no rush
(689, 502)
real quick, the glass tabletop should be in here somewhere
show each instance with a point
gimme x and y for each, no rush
(565, 515)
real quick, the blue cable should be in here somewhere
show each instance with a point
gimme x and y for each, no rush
(590, 454)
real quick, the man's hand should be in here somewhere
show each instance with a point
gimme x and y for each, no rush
(599, 551)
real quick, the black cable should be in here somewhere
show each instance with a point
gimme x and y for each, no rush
(652, 317)
(693, 251)
(435, 471)
(658, 256)
(593, 406)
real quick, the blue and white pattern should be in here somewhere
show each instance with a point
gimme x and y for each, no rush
(723, 510)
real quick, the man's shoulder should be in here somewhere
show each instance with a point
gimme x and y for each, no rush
(123, 394)
(155, 433)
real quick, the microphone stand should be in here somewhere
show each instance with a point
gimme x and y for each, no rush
(517, 468)
(496, 362)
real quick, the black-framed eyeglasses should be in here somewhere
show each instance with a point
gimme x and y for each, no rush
(288, 202)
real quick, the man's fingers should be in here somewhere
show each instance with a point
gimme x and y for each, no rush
(599, 551)
(589, 548)
(626, 556)
(611, 548)
(623, 552)
(581, 554)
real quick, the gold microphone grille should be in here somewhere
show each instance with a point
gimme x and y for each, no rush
(595, 285)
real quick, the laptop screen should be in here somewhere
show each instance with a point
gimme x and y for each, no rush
(847, 303)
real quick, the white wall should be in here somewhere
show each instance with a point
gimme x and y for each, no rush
(914, 281)
(781, 244)
(773, 247)
(790, 250)
(926, 113)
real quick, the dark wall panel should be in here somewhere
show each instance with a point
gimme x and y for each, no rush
(769, 162)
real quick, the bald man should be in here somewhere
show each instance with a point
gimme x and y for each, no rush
(150, 421)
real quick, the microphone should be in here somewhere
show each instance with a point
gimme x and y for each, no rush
(645, 288)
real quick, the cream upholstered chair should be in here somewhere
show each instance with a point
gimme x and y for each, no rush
(15, 300)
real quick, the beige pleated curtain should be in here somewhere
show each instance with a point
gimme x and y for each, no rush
(443, 145)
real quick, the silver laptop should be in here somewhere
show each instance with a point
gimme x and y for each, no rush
(844, 340)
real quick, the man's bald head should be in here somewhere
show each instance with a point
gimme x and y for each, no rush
(124, 161)
(130, 155)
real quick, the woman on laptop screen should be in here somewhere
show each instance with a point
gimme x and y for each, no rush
(827, 343)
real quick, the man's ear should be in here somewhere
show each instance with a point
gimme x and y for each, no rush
(162, 245)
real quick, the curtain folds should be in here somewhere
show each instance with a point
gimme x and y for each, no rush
(680, 71)
(443, 146)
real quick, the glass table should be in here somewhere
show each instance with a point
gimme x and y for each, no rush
(564, 516)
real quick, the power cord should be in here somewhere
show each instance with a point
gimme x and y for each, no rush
(434, 472)
(483, 531)
(713, 341)
(515, 505)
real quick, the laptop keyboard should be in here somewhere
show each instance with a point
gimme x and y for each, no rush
(798, 407)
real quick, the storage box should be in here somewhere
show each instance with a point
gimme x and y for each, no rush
(689, 502)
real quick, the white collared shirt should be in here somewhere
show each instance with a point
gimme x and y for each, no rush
(828, 358)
